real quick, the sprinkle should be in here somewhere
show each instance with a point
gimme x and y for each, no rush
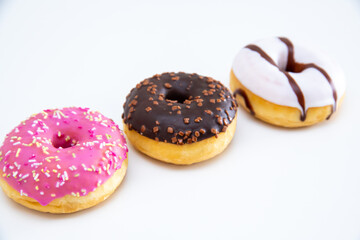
(99, 183)
(62, 114)
(53, 195)
(41, 193)
(37, 188)
(45, 150)
(170, 130)
(30, 132)
(167, 85)
(18, 152)
(17, 143)
(77, 175)
(74, 155)
(108, 136)
(8, 152)
(72, 168)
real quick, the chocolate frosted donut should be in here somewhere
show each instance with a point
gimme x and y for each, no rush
(179, 109)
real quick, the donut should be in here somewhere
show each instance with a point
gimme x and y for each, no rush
(63, 160)
(286, 84)
(180, 118)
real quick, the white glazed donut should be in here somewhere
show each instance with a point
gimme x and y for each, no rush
(307, 84)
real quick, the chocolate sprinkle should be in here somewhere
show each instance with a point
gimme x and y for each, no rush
(196, 96)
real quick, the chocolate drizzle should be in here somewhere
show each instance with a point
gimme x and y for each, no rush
(299, 94)
(293, 66)
(248, 105)
(179, 108)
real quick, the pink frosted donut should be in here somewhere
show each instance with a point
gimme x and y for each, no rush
(63, 160)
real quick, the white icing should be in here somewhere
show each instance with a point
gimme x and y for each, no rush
(267, 81)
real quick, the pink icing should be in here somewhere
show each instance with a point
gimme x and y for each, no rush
(60, 152)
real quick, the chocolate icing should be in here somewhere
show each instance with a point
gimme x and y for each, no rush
(292, 66)
(179, 108)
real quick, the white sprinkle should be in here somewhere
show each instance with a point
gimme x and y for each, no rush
(58, 166)
(36, 176)
(17, 143)
(57, 124)
(47, 174)
(32, 160)
(30, 132)
(25, 176)
(41, 193)
(8, 152)
(16, 130)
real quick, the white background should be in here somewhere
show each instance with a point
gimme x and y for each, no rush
(270, 183)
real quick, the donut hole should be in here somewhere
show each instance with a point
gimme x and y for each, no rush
(62, 141)
(175, 95)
